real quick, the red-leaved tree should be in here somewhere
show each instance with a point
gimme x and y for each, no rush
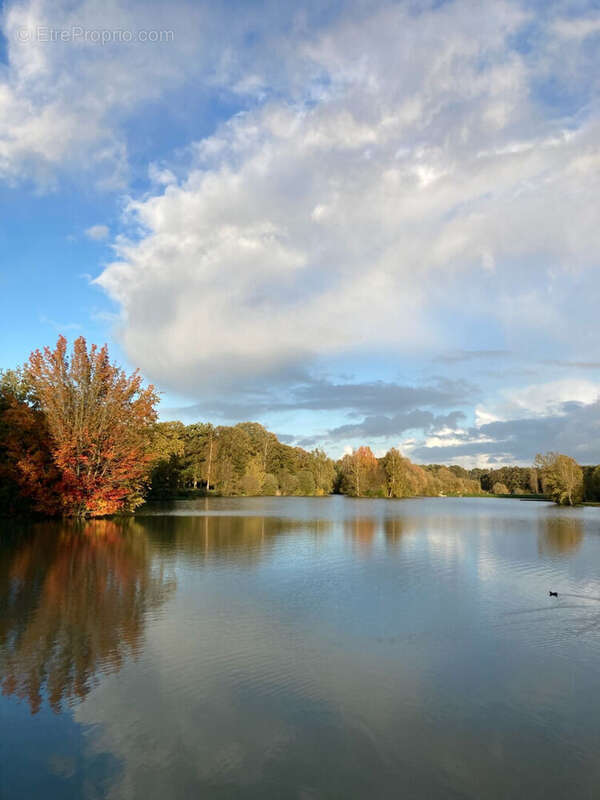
(29, 479)
(360, 469)
(100, 422)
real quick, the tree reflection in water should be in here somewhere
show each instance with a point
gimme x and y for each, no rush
(231, 539)
(559, 535)
(362, 531)
(395, 529)
(73, 601)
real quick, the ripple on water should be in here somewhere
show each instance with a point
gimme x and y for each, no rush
(313, 648)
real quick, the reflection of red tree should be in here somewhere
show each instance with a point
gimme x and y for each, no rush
(75, 606)
(362, 531)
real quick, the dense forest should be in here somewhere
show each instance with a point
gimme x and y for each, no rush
(246, 459)
(79, 437)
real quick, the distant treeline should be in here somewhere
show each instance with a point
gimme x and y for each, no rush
(246, 459)
(534, 480)
(79, 437)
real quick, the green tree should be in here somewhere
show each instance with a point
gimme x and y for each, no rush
(199, 452)
(233, 454)
(595, 481)
(270, 485)
(396, 478)
(168, 448)
(534, 481)
(288, 483)
(254, 477)
(306, 483)
(562, 478)
(323, 470)
(261, 442)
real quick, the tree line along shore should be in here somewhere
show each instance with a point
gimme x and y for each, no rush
(79, 437)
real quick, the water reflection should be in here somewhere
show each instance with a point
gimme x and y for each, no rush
(559, 535)
(365, 532)
(395, 529)
(73, 604)
(362, 532)
(288, 664)
(231, 539)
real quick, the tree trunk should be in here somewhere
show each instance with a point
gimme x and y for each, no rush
(209, 465)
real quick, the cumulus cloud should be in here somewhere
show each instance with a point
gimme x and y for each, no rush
(77, 73)
(415, 177)
(59, 100)
(390, 181)
(545, 398)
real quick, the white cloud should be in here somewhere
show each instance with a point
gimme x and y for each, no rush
(160, 176)
(543, 398)
(554, 415)
(578, 28)
(400, 181)
(97, 232)
(65, 104)
(483, 416)
(412, 171)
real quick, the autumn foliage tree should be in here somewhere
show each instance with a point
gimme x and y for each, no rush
(397, 474)
(361, 474)
(100, 421)
(29, 479)
(562, 478)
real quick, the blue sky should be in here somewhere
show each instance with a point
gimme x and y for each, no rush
(354, 222)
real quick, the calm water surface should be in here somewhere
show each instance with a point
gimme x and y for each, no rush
(303, 648)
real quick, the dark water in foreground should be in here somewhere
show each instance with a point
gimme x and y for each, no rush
(303, 648)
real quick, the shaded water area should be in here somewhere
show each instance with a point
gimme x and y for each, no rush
(303, 648)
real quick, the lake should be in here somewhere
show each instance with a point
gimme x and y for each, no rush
(303, 648)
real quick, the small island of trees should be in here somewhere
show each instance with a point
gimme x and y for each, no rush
(81, 438)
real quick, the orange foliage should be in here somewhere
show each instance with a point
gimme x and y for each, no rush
(74, 605)
(99, 421)
(27, 469)
(361, 469)
(366, 457)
